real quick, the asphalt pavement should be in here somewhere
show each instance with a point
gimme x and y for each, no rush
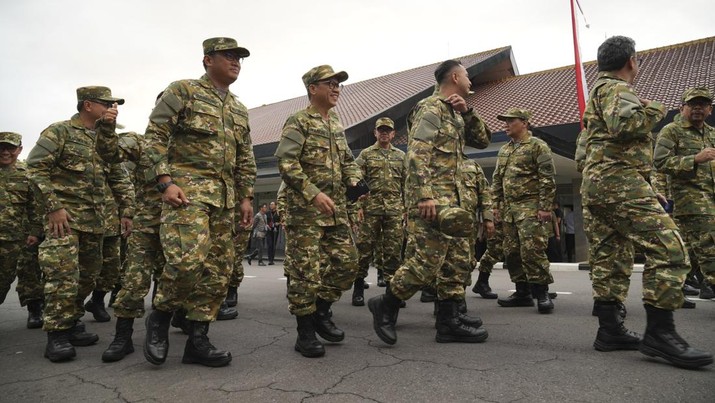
(528, 357)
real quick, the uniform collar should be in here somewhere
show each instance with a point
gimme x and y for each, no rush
(525, 140)
(205, 82)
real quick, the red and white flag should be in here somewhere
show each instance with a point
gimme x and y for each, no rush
(581, 86)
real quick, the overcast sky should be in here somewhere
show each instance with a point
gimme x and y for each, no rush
(137, 47)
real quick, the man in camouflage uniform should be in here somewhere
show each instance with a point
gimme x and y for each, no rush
(438, 128)
(478, 201)
(380, 215)
(524, 188)
(624, 210)
(317, 166)
(20, 228)
(685, 150)
(119, 205)
(198, 140)
(493, 254)
(72, 180)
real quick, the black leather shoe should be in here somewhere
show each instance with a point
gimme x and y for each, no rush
(522, 297)
(707, 291)
(58, 346)
(358, 298)
(307, 344)
(122, 343)
(690, 290)
(484, 290)
(323, 323)
(199, 350)
(178, 320)
(451, 330)
(96, 307)
(612, 334)
(543, 300)
(156, 343)
(384, 309)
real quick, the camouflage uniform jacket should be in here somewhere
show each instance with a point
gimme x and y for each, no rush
(619, 150)
(692, 185)
(435, 151)
(70, 174)
(203, 141)
(128, 148)
(478, 198)
(384, 171)
(314, 157)
(17, 205)
(523, 180)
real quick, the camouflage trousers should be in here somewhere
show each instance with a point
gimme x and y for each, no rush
(495, 250)
(29, 276)
(308, 247)
(432, 258)
(198, 248)
(379, 236)
(698, 232)
(612, 279)
(111, 264)
(70, 266)
(643, 224)
(525, 244)
(9, 253)
(145, 259)
(240, 244)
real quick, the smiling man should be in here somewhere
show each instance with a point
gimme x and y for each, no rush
(317, 167)
(198, 140)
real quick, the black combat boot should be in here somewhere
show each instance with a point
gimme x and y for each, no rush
(178, 320)
(96, 306)
(521, 297)
(323, 323)
(199, 350)
(543, 300)
(359, 292)
(612, 334)
(122, 343)
(690, 290)
(226, 313)
(380, 279)
(156, 343)
(661, 340)
(482, 287)
(232, 297)
(307, 344)
(251, 256)
(707, 291)
(451, 330)
(429, 294)
(58, 346)
(620, 307)
(79, 337)
(473, 321)
(34, 314)
(384, 309)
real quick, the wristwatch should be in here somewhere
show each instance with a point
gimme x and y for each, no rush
(161, 187)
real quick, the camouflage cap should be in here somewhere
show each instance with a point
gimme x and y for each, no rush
(385, 122)
(697, 92)
(224, 44)
(321, 73)
(11, 138)
(522, 114)
(96, 92)
(454, 221)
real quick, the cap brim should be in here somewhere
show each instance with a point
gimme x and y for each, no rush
(696, 97)
(11, 143)
(389, 127)
(340, 75)
(242, 52)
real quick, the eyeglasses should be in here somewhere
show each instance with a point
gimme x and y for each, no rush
(106, 104)
(333, 84)
(231, 56)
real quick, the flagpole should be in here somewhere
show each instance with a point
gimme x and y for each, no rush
(581, 87)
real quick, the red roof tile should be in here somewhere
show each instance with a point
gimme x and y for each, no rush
(358, 101)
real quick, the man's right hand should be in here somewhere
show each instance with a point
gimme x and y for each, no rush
(174, 196)
(360, 215)
(428, 209)
(59, 221)
(707, 154)
(324, 204)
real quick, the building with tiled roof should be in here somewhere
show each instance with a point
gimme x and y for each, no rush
(665, 73)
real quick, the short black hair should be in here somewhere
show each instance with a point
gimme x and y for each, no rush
(444, 69)
(615, 52)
